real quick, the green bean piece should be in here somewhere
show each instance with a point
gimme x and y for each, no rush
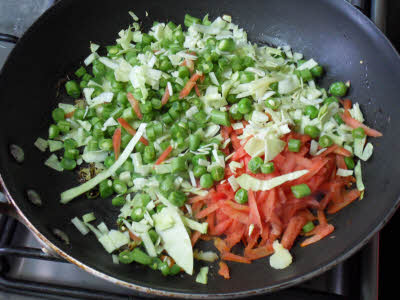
(71, 153)
(178, 164)
(155, 263)
(106, 144)
(177, 198)
(125, 257)
(294, 145)
(241, 196)
(118, 201)
(109, 161)
(338, 89)
(119, 186)
(194, 142)
(168, 184)
(227, 45)
(206, 181)
(140, 147)
(246, 77)
(312, 131)
(54, 131)
(70, 144)
(220, 117)
(255, 164)
(245, 106)
(58, 114)
(138, 213)
(234, 113)
(308, 227)
(156, 103)
(268, 168)
(164, 268)
(80, 72)
(183, 72)
(174, 270)
(232, 99)
(311, 111)
(325, 141)
(300, 190)
(358, 133)
(73, 89)
(153, 235)
(68, 163)
(189, 20)
(247, 61)
(349, 163)
(140, 257)
(217, 173)
(79, 114)
(64, 126)
(92, 145)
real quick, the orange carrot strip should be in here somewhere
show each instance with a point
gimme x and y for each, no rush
(205, 212)
(195, 237)
(135, 105)
(189, 85)
(117, 142)
(236, 258)
(223, 270)
(353, 123)
(165, 97)
(321, 231)
(131, 130)
(69, 115)
(164, 155)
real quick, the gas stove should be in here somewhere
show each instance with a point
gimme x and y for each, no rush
(27, 272)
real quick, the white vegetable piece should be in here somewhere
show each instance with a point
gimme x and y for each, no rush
(281, 258)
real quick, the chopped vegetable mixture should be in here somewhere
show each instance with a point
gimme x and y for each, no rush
(199, 134)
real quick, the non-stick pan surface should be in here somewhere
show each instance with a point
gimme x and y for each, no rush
(338, 36)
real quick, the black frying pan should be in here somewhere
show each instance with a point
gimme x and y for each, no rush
(338, 36)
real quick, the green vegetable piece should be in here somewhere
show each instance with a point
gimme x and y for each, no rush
(71, 153)
(68, 163)
(272, 103)
(125, 257)
(330, 100)
(73, 89)
(174, 270)
(220, 117)
(105, 188)
(311, 111)
(153, 235)
(164, 268)
(80, 72)
(206, 181)
(306, 75)
(140, 257)
(64, 126)
(325, 141)
(227, 45)
(106, 144)
(308, 227)
(189, 20)
(54, 131)
(217, 173)
(58, 114)
(300, 190)
(138, 213)
(294, 145)
(246, 77)
(70, 144)
(338, 89)
(141, 200)
(109, 161)
(268, 168)
(358, 133)
(338, 119)
(194, 142)
(119, 186)
(178, 164)
(167, 185)
(349, 163)
(241, 196)
(198, 171)
(118, 201)
(317, 71)
(255, 164)
(155, 263)
(183, 72)
(245, 106)
(312, 131)
(177, 198)
(149, 154)
(79, 114)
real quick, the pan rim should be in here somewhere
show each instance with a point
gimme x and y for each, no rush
(148, 291)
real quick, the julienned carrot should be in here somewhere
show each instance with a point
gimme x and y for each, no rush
(205, 212)
(135, 105)
(69, 115)
(117, 142)
(223, 270)
(189, 85)
(320, 232)
(131, 130)
(195, 237)
(164, 155)
(236, 258)
(196, 89)
(165, 97)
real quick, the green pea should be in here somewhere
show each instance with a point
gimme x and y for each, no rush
(118, 201)
(54, 131)
(68, 163)
(325, 141)
(255, 164)
(217, 173)
(312, 131)
(241, 196)
(358, 133)
(226, 45)
(198, 171)
(58, 114)
(311, 111)
(272, 103)
(338, 89)
(138, 214)
(206, 181)
(317, 71)
(119, 186)
(268, 168)
(245, 106)
(308, 227)
(177, 198)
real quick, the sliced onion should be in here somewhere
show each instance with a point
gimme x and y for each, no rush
(61, 235)
(17, 153)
